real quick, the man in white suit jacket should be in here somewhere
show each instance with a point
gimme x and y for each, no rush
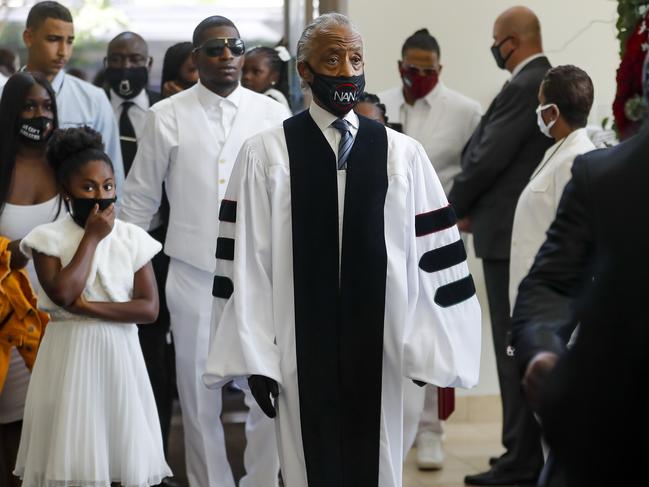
(442, 120)
(189, 143)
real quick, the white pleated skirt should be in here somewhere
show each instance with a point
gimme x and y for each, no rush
(90, 417)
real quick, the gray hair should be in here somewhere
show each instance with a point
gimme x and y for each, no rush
(322, 23)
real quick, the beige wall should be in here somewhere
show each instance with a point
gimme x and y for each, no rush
(463, 29)
(580, 32)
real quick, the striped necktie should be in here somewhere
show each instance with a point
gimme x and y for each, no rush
(346, 142)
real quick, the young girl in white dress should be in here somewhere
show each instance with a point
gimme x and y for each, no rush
(90, 418)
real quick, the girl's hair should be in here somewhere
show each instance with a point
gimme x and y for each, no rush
(174, 58)
(376, 101)
(70, 149)
(276, 65)
(11, 106)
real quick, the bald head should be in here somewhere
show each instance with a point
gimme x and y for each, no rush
(521, 22)
(131, 41)
(128, 50)
(518, 30)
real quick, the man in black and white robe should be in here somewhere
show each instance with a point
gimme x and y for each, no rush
(339, 272)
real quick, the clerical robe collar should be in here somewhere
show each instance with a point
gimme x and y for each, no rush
(210, 99)
(324, 119)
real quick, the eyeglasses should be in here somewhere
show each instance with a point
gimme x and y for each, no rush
(214, 47)
(415, 70)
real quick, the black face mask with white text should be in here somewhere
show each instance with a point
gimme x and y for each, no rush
(127, 82)
(37, 130)
(338, 94)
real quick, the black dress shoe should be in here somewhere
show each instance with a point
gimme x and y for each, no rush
(168, 482)
(499, 477)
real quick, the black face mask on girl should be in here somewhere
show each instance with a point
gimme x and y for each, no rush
(81, 208)
(37, 130)
(338, 94)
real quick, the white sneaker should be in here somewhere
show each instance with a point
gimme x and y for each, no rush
(430, 455)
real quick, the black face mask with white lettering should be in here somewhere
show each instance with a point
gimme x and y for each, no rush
(81, 208)
(127, 82)
(37, 130)
(338, 94)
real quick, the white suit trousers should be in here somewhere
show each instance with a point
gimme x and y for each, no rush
(189, 299)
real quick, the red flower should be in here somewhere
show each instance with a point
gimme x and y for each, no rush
(629, 77)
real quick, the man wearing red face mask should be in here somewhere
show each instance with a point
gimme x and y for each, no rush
(442, 120)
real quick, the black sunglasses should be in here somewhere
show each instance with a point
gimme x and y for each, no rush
(214, 47)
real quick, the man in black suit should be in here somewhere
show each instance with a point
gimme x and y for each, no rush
(497, 163)
(127, 66)
(595, 244)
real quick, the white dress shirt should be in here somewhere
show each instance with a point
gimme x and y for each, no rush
(323, 120)
(220, 111)
(137, 112)
(79, 103)
(442, 121)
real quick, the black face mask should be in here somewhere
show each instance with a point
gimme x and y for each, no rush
(37, 130)
(501, 61)
(81, 208)
(338, 94)
(127, 82)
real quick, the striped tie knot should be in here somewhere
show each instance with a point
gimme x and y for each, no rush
(346, 142)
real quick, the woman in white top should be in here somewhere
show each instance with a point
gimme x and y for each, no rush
(264, 71)
(565, 100)
(28, 198)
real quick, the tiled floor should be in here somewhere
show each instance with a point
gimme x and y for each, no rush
(467, 445)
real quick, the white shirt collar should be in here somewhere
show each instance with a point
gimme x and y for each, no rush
(435, 93)
(209, 99)
(57, 82)
(324, 119)
(524, 63)
(141, 100)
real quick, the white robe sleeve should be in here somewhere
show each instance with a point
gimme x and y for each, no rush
(443, 336)
(242, 338)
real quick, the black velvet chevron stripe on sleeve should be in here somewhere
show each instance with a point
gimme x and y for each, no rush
(222, 287)
(228, 211)
(443, 257)
(434, 221)
(225, 248)
(455, 292)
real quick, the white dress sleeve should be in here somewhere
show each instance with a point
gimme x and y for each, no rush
(242, 338)
(443, 336)
(45, 239)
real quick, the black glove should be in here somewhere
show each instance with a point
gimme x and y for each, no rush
(262, 388)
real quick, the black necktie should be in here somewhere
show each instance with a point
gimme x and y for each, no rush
(127, 139)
